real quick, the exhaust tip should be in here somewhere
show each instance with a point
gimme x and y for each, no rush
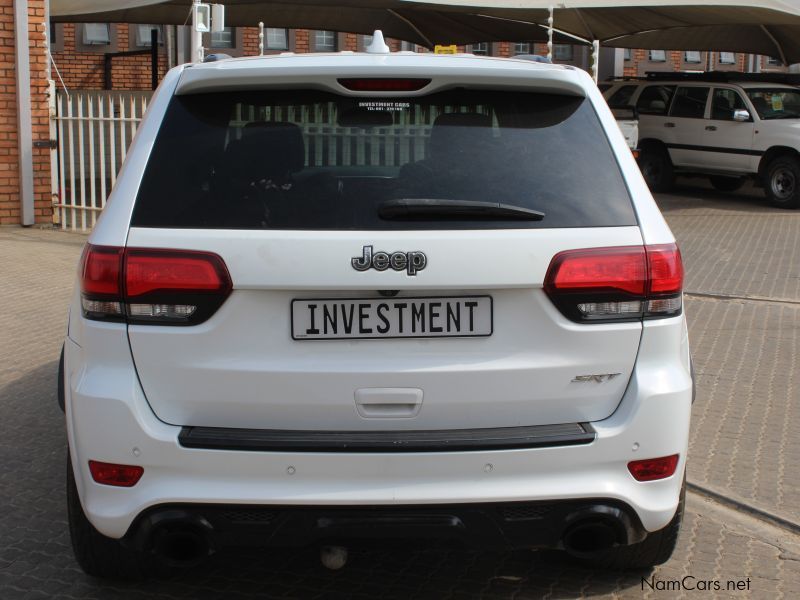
(589, 537)
(181, 546)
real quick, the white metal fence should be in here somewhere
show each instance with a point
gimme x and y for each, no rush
(94, 130)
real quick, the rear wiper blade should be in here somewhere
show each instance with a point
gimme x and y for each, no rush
(410, 209)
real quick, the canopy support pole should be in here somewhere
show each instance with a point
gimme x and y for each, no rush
(197, 38)
(550, 34)
(596, 60)
(261, 38)
(777, 45)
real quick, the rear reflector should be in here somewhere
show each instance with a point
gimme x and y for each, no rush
(384, 85)
(616, 283)
(116, 475)
(169, 287)
(651, 469)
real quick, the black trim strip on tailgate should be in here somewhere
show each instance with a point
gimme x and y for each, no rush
(455, 440)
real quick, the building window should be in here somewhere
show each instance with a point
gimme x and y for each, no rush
(325, 41)
(277, 39)
(562, 51)
(96, 34)
(408, 47)
(52, 35)
(727, 58)
(692, 56)
(481, 49)
(366, 40)
(522, 48)
(628, 54)
(658, 56)
(774, 62)
(224, 39)
(143, 35)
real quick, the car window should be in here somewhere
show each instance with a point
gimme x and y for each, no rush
(655, 99)
(775, 103)
(724, 102)
(309, 159)
(622, 96)
(690, 102)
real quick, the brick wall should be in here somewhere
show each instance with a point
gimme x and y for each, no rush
(82, 67)
(10, 209)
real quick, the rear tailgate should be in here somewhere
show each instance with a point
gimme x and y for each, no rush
(242, 368)
(286, 187)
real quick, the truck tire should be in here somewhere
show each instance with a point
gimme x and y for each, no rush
(656, 168)
(656, 549)
(782, 181)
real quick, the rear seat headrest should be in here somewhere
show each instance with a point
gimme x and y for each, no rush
(272, 148)
(454, 134)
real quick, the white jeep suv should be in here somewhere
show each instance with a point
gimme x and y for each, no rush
(351, 296)
(728, 126)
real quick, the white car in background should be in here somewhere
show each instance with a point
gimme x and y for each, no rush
(730, 127)
(352, 296)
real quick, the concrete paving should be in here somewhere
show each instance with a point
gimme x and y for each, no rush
(743, 275)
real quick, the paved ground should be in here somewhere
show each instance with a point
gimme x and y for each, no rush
(743, 262)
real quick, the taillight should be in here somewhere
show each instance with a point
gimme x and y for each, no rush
(616, 284)
(101, 283)
(116, 475)
(372, 84)
(137, 285)
(651, 469)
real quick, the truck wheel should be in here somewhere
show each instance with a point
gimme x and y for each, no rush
(782, 182)
(96, 554)
(726, 184)
(657, 169)
(656, 549)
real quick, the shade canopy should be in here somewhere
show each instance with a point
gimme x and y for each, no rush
(416, 22)
(770, 28)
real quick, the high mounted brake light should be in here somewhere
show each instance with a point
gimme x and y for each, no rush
(623, 283)
(137, 285)
(383, 84)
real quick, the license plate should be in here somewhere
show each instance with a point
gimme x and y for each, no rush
(360, 318)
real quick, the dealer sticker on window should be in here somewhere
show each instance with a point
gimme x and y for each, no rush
(359, 318)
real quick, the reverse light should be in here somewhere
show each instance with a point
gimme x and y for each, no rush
(616, 283)
(138, 285)
(116, 475)
(651, 469)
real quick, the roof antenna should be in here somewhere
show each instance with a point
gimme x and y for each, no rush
(378, 45)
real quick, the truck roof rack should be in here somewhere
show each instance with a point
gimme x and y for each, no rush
(725, 77)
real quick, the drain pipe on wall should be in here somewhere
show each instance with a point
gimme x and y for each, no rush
(24, 119)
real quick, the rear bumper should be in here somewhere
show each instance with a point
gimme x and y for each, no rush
(108, 419)
(480, 526)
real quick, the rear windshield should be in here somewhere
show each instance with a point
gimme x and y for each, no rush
(310, 159)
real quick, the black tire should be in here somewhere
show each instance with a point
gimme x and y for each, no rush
(726, 184)
(60, 385)
(96, 554)
(656, 549)
(656, 168)
(782, 181)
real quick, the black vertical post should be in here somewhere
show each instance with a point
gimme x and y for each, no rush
(154, 58)
(108, 84)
